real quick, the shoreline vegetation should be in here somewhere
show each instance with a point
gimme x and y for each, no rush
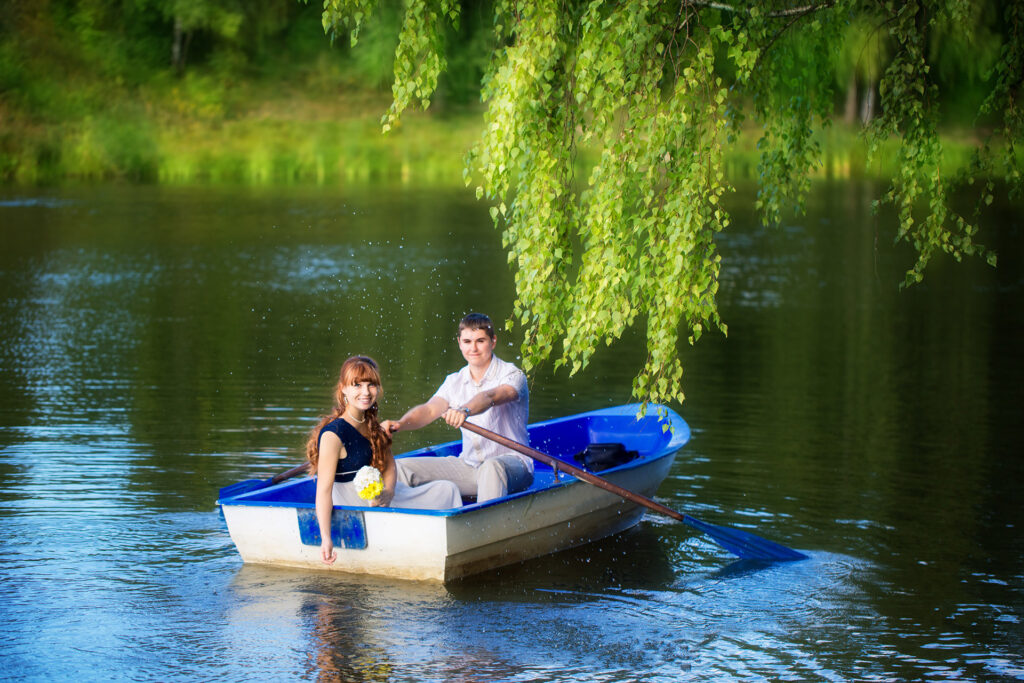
(87, 95)
(297, 139)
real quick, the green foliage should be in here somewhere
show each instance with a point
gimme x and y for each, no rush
(419, 56)
(658, 92)
(909, 98)
(420, 43)
(374, 61)
(1003, 104)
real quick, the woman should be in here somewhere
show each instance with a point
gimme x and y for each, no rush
(351, 438)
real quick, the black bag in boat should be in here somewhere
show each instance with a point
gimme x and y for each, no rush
(601, 456)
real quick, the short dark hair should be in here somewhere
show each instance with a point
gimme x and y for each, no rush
(477, 321)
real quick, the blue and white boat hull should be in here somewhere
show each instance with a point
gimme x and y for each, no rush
(277, 525)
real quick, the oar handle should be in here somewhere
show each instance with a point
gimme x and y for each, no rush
(577, 472)
(295, 471)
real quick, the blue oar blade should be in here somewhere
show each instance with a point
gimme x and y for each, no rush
(744, 544)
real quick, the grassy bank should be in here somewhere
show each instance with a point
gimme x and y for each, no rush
(284, 139)
(189, 132)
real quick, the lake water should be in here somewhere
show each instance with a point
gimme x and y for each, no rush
(158, 344)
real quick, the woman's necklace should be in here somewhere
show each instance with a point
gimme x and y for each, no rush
(355, 419)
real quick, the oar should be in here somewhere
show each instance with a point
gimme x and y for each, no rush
(741, 543)
(255, 484)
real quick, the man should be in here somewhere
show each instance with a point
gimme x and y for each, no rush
(488, 392)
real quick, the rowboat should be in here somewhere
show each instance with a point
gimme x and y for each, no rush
(276, 523)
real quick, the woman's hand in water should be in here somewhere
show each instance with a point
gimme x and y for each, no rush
(327, 552)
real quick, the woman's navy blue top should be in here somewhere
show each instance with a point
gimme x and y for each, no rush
(358, 450)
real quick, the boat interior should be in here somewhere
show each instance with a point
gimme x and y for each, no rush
(567, 439)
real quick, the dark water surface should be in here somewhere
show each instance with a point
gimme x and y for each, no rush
(158, 344)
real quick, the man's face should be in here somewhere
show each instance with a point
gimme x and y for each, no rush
(476, 346)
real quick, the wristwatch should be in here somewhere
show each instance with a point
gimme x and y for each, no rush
(464, 409)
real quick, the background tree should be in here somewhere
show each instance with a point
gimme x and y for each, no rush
(657, 91)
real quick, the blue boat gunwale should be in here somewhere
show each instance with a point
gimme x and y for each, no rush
(678, 435)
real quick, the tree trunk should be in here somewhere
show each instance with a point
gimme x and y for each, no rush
(179, 46)
(850, 112)
(867, 105)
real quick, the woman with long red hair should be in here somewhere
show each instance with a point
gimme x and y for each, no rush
(351, 438)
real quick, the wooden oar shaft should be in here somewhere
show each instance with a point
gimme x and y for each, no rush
(295, 471)
(577, 472)
(251, 485)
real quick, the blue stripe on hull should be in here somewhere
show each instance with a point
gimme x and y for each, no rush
(347, 528)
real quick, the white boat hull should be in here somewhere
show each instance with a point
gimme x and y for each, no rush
(441, 546)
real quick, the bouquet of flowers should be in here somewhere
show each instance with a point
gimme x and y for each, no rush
(368, 482)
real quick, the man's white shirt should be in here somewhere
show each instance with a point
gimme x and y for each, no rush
(507, 419)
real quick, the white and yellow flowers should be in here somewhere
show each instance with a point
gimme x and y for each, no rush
(368, 482)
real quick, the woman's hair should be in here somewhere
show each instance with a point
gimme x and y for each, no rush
(354, 370)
